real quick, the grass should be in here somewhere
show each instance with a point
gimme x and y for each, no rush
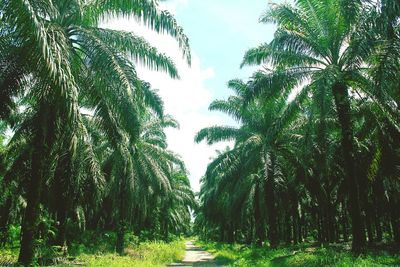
(100, 252)
(148, 254)
(8, 256)
(304, 255)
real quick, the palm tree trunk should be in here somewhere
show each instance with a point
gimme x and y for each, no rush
(270, 201)
(230, 232)
(5, 215)
(63, 198)
(121, 220)
(368, 219)
(342, 102)
(295, 220)
(164, 221)
(377, 188)
(249, 236)
(320, 227)
(344, 222)
(221, 233)
(166, 232)
(32, 210)
(302, 225)
(288, 228)
(62, 210)
(259, 235)
(331, 221)
(394, 215)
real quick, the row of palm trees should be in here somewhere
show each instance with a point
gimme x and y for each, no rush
(88, 143)
(316, 152)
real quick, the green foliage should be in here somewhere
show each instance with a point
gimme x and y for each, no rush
(13, 235)
(150, 253)
(308, 161)
(97, 252)
(315, 150)
(301, 256)
(92, 242)
(8, 256)
(88, 133)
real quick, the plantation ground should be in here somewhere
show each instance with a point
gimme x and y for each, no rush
(195, 256)
(147, 254)
(183, 253)
(298, 256)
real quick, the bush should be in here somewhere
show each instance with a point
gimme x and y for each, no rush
(13, 234)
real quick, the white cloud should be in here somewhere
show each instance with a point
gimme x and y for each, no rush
(172, 5)
(186, 99)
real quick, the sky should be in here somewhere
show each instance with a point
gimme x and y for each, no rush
(220, 32)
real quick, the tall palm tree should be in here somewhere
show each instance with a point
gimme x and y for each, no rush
(229, 187)
(316, 43)
(152, 169)
(176, 206)
(64, 40)
(256, 140)
(140, 167)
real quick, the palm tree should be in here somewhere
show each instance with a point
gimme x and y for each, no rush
(175, 213)
(139, 167)
(65, 41)
(316, 43)
(229, 187)
(256, 141)
(150, 169)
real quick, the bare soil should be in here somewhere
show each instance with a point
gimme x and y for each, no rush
(196, 256)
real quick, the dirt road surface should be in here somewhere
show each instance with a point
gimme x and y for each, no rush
(197, 257)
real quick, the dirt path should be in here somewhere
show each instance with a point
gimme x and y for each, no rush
(196, 256)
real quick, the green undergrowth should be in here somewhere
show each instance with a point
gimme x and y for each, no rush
(98, 250)
(8, 255)
(147, 254)
(304, 255)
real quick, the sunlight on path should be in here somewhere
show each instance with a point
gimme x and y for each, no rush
(196, 256)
